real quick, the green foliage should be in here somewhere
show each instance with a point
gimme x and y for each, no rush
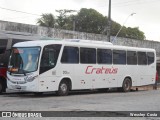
(47, 20)
(62, 19)
(115, 28)
(88, 20)
(135, 33)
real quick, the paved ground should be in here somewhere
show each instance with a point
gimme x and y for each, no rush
(142, 100)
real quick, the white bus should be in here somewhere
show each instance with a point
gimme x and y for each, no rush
(61, 66)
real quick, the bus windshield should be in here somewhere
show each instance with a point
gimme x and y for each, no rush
(24, 60)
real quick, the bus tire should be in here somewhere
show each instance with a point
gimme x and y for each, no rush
(63, 88)
(127, 84)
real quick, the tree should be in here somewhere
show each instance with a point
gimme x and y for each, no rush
(47, 20)
(89, 20)
(70, 22)
(135, 33)
(62, 19)
(115, 28)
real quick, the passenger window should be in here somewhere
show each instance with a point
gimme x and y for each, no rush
(104, 56)
(88, 55)
(70, 55)
(150, 57)
(142, 58)
(119, 57)
(131, 57)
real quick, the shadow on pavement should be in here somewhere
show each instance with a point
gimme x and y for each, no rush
(71, 93)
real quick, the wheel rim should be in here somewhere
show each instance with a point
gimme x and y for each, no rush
(63, 88)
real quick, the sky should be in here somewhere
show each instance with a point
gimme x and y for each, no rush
(147, 16)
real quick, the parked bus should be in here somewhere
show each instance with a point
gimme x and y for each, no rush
(7, 40)
(61, 66)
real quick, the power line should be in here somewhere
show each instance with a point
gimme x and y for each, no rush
(19, 11)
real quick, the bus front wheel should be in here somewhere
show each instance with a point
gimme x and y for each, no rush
(63, 88)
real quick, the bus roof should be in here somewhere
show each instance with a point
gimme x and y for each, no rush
(78, 42)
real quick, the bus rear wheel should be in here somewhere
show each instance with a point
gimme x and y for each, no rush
(127, 84)
(63, 88)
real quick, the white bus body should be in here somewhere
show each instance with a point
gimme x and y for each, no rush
(75, 65)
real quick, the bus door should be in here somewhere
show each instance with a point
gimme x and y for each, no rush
(48, 66)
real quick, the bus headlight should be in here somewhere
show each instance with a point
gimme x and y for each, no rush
(30, 78)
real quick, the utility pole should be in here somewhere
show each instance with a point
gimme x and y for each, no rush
(109, 22)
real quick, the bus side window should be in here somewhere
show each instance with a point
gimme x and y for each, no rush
(119, 57)
(150, 57)
(88, 55)
(104, 56)
(131, 57)
(142, 58)
(70, 55)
